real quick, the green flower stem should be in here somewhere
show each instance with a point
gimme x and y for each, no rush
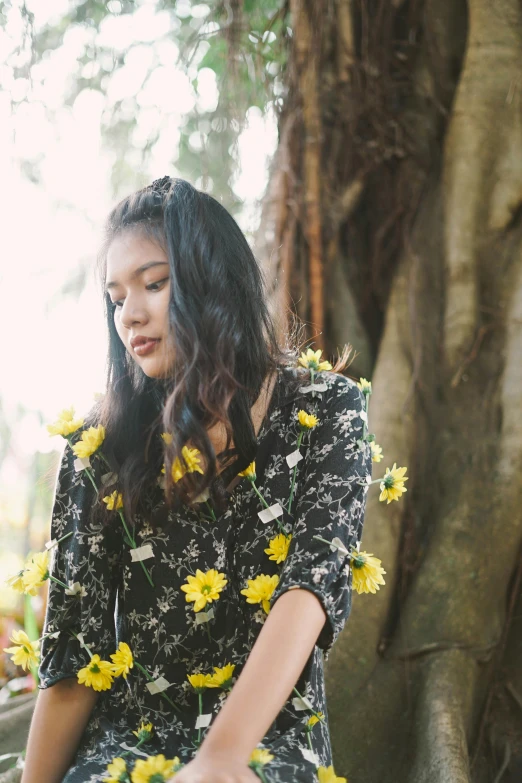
(138, 745)
(260, 495)
(91, 478)
(312, 375)
(104, 458)
(127, 531)
(151, 679)
(325, 541)
(58, 582)
(200, 703)
(212, 514)
(259, 771)
(281, 528)
(59, 540)
(302, 697)
(299, 439)
(83, 645)
(309, 738)
(133, 542)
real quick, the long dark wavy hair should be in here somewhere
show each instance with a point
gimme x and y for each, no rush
(225, 344)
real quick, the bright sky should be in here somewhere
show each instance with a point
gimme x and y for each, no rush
(54, 349)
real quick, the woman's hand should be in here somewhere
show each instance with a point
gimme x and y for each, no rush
(213, 768)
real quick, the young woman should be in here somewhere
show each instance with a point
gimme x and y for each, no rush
(204, 515)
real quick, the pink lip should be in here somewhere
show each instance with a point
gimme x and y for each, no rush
(145, 348)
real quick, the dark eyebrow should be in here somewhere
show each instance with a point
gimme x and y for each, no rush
(137, 272)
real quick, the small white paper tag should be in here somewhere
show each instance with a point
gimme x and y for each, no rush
(159, 685)
(75, 589)
(338, 544)
(80, 638)
(203, 721)
(80, 463)
(358, 545)
(293, 458)
(309, 755)
(363, 415)
(50, 544)
(203, 497)
(54, 635)
(270, 513)
(142, 553)
(313, 387)
(108, 478)
(204, 617)
(301, 703)
(136, 751)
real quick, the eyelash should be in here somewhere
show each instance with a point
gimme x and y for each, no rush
(117, 305)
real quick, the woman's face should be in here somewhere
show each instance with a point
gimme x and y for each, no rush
(138, 283)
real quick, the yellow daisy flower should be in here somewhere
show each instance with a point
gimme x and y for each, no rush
(145, 731)
(260, 590)
(392, 484)
(260, 757)
(307, 420)
(16, 582)
(36, 571)
(312, 359)
(114, 501)
(365, 385)
(200, 681)
(278, 547)
(97, 675)
(90, 442)
(26, 653)
(327, 775)
(222, 677)
(249, 472)
(367, 572)
(155, 769)
(313, 719)
(376, 451)
(191, 457)
(65, 424)
(117, 769)
(122, 660)
(204, 587)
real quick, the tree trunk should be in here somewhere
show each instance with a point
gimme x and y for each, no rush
(396, 206)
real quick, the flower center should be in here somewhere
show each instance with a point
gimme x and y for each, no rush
(156, 778)
(206, 589)
(359, 561)
(95, 669)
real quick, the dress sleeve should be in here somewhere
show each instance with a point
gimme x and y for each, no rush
(87, 562)
(330, 502)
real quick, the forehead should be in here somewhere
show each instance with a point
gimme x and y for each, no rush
(128, 253)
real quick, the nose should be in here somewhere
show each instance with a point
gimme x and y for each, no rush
(132, 313)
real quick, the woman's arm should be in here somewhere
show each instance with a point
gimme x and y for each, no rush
(273, 667)
(59, 719)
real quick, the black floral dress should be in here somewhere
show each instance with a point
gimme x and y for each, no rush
(114, 602)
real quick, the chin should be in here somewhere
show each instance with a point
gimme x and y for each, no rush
(154, 370)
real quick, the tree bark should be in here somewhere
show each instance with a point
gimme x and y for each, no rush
(420, 263)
